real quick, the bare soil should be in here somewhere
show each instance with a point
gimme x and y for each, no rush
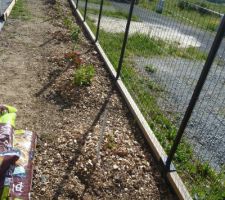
(37, 80)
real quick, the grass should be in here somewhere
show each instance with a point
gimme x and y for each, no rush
(142, 45)
(190, 17)
(20, 11)
(106, 3)
(203, 182)
(116, 14)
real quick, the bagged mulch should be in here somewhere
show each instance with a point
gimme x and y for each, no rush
(25, 141)
(7, 123)
(16, 157)
(8, 156)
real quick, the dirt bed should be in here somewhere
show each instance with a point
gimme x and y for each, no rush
(68, 119)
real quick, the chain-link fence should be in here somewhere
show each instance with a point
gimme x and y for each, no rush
(169, 45)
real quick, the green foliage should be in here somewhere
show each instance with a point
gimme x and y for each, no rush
(143, 45)
(75, 34)
(194, 16)
(111, 144)
(74, 29)
(84, 75)
(68, 23)
(20, 11)
(150, 68)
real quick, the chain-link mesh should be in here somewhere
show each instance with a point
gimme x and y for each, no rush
(167, 47)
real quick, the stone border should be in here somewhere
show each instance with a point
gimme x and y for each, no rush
(173, 177)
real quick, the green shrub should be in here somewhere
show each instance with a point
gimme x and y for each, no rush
(84, 75)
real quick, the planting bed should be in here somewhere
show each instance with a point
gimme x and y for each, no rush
(37, 77)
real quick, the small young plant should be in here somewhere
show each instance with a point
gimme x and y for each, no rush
(75, 34)
(74, 30)
(67, 22)
(74, 57)
(83, 76)
(111, 144)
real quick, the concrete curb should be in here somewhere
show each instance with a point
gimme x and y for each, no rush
(173, 177)
(8, 11)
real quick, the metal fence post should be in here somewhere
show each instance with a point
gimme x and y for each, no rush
(99, 20)
(85, 9)
(77, 4)
(209, 61)
(125, 39)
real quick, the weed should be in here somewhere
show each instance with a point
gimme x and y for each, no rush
(74, 30)
(68, 23)
(111, 144)
(83, 76)
(150, 68)
(153, 86)
(75, 34)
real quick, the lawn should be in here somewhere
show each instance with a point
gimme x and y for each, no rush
(20, 11)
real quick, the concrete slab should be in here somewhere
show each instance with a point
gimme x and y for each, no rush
(4, 4)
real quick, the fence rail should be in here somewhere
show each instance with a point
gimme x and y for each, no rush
(173, 65)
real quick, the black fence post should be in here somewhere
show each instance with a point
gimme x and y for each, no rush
(209, 61)
(99, 20)
(125, 39)
(77, 4)
(85, 9)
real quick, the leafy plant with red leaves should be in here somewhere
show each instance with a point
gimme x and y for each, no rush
(74, 56)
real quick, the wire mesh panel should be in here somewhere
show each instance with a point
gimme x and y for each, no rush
(166, 51)
(110, 38)
(167, 47)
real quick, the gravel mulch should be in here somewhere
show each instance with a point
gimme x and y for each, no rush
(68, 119)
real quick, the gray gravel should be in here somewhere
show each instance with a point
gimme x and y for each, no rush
(205, 37)
(178, 77)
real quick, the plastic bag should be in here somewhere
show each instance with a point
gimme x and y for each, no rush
(25, 141)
